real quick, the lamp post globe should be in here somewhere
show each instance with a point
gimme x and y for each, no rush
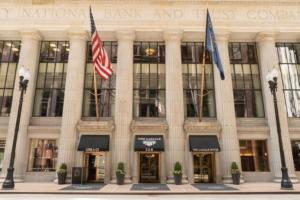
(24, 77)
(272, 77)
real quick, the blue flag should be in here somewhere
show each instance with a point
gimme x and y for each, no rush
(211, 45)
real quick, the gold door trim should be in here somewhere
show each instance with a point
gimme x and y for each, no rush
(213, 166)
(86, 166)
(139, 164)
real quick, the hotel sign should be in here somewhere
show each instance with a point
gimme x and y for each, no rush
(149, 143)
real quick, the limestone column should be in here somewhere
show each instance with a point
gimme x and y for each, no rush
(268, 58)
(174, 102)
(29, 57)
(73, 98)
(230, 151)
(124, 99)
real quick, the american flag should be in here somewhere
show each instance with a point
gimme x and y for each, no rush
(101, 60)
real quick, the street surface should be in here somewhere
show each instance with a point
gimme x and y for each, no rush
(148, 197)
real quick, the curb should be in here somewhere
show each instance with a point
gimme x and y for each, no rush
(157, 193)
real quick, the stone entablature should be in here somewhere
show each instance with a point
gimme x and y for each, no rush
(101, 126)
(252, 126)
(205, 126)
(149, 126)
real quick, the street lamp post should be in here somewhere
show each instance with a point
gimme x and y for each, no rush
(285, 179)
(24, 78)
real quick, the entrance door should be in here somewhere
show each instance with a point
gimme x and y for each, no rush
(204, 167)
(95, 167)
(149, 168)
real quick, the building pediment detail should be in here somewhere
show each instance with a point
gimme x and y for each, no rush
(149, 126)
(106, 126)
(209, 126)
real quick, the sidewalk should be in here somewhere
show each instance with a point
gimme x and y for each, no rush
(246, 188)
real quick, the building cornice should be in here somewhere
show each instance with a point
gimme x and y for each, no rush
(205, 126)
(149, 126)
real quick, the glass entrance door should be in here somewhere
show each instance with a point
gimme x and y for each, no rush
(149, 168)
(95, 167)
(204, 167)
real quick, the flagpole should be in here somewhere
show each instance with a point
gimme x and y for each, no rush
(96, 95)
(202, 78)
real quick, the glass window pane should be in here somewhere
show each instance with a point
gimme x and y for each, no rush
(6, 51)
(3, 71)
(247, 76)
(254, 155)
(11, 75)
(50, 75)
(6, 102)
(15, 51)
(42, 155)
(239, 76)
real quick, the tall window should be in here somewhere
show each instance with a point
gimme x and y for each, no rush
(254, 155)
(289, 61)
(50, 87)
(149, 79)
(192, 59)
(2, 148)
(246, 82)
(105, 89)
(42, 155)
(9, 57)
(296, 154)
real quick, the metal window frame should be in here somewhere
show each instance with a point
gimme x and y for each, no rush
(63, 78)
(110, 89)
(157, 89)
(4, 88)
(198, 66)
(297, 62)
(233, 64)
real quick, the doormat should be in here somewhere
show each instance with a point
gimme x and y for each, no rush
(149, 186)
(211, 186)
(84, 187)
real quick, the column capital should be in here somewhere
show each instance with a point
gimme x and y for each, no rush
(223, 36)
(125, 35)
(77, 34)
(173, 34)
(30, 34)
(265, 36)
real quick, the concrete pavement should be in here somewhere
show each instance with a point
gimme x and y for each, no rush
(246, 188)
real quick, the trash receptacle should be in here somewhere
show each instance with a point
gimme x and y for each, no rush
(77, 175)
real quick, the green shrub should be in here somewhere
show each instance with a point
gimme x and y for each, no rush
(63, 166)
(234, 168)
(177, 168)
(120, 169)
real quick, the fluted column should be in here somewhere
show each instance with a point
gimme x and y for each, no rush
(29, 57)
(268, 59)
(73, 98)
(124, 95)
(174, 102)
(230, 151)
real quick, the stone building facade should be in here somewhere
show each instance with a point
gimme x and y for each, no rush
(149, 108)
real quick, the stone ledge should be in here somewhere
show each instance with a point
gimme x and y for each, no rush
(205, 126)
(91, 125)
(44, 129)
(149, 126)
(252, 125)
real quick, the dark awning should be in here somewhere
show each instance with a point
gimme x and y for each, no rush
(94, 143)
(204, 143)
(149, 143)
